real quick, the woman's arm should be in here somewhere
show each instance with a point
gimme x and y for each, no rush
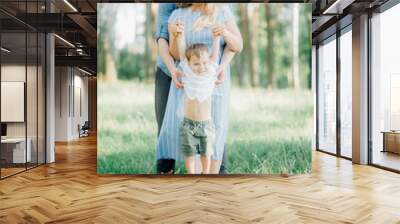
(169, 61)
(180, 41)
(227, 57)
(233, 37)
(163, 51)
(231, 34)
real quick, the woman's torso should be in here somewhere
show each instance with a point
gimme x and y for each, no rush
(204, 36)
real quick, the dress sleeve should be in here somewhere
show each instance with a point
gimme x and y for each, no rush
(164, 12)
(226, 13)
(174, 16)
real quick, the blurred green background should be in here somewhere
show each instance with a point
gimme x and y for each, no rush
(271, 101)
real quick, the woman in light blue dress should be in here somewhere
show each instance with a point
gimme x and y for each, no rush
(215, 19)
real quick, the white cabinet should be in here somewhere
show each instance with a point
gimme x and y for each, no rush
(18, 149)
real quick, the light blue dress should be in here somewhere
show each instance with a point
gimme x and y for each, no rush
(168, 145)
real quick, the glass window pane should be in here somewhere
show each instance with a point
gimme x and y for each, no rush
(386, 89)
(22, 88)
(31, 96)
(31, 87)
(346, 94)
(14, 153)
(327, 97)
(41, 98)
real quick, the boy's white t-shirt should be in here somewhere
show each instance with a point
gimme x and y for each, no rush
(198, 87)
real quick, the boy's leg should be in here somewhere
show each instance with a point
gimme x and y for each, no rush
(189, 164)
(162, 85)
(205, 164)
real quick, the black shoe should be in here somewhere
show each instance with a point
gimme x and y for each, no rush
(223, 170)
(165, 166)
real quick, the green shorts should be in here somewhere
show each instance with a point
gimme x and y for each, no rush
(197, 137)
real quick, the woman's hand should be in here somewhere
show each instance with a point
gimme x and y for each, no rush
(220, 76)
(219, 30)
(177, 28)
(175, 75)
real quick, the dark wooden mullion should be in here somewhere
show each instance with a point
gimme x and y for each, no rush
(73, 92)
(45, 92)
(338, 98)
(37, 90)
(369, 90)
(0, 93)
(69, 93)
(317, 95)
(26, 87)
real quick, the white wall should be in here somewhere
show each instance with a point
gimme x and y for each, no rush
(12, 73)
(70, 83)
(33, 126)
(62, 81)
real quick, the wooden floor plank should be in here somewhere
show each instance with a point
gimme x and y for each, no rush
(70, 191)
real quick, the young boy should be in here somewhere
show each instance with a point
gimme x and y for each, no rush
(197, 130)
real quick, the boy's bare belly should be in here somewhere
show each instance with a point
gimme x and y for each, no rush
(197, 111)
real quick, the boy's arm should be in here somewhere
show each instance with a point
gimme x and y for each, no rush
(175, 29)
(172, 47)
(227, 57)
(215, 49)
(180, 40)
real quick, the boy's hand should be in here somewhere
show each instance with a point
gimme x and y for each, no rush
(216, 39)
(219, 30)
(221, 76)
(175, 75)
(177, 28)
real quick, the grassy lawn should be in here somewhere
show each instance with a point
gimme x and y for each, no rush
(269, 131)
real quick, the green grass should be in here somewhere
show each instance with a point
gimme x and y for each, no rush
(269, 131)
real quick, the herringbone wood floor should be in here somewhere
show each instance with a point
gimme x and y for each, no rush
(70, 191)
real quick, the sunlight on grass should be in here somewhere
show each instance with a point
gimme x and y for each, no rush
(269, 131)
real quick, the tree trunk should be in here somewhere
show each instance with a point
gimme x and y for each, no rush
(148, 39)
(254, 39)
(295, 50)
(111, 71)
(248, 51)
(153, 43)
(239, 69)
(240, 59)
(270, 47)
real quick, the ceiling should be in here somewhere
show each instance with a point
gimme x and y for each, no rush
(331, 15)
(75, 21)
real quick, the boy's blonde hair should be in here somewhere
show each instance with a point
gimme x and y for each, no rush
(196, 50)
